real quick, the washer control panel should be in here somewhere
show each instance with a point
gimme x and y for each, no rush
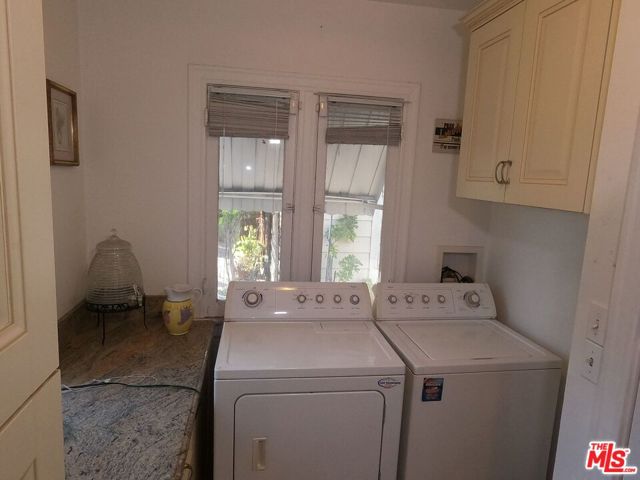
(394, 301)
(292, 301)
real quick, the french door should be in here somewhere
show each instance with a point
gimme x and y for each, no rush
(250, 168)
(357, 137)
(294, 182)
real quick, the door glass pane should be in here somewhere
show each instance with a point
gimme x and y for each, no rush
(249, 210)
(354, 199)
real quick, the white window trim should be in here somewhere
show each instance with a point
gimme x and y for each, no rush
(398, 177)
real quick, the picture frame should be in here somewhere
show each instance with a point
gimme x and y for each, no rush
(62, 113)
(447, 134)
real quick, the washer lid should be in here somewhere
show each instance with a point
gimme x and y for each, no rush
(449, 346)
(265, 349)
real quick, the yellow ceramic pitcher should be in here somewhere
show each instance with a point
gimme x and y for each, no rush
(177, 309)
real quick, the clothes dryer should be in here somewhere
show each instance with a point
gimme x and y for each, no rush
(306, 386)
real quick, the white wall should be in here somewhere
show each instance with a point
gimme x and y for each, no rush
(67, 183)
(134, 59)
(533, 266)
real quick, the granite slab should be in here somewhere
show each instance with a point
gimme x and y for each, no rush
(118, 432)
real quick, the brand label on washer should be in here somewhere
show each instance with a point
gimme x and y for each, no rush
(432, 389)
(389, 382)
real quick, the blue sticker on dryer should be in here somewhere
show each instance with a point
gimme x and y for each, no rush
(432, 389)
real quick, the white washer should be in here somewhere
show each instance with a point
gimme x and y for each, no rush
(480, 399)
(305, 386)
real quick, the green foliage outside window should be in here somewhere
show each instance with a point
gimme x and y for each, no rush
(347, 268)
(343, 230)
(249, 254)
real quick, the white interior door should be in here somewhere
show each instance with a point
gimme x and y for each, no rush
(29, 441)
(315, 436)
(28, 335)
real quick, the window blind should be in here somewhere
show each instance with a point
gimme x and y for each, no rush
(248, 113)
(364, 123)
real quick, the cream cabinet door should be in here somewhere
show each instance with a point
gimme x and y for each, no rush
(494, 56)
(28, 330)
(30, 441)
(563, 56)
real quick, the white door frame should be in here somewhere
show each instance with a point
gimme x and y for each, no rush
(620, 372)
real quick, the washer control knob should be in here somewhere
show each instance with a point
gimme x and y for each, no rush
(354, 299)
(425, 299)
(319, 298)
(251, 298)
(472, 299)
(442, 299)
(408, 298)
(392, 299)
(337, 298)
(301, 298)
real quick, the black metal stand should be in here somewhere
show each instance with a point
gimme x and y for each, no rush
(104, 310)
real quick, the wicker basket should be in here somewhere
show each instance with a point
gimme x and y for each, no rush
(115, 279)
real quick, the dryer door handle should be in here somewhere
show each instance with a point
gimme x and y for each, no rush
(259, 451)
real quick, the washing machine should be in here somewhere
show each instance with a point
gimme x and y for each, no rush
(305, 385)
(480, 399)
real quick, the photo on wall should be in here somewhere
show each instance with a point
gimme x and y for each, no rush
(447, 135)
(62, 110)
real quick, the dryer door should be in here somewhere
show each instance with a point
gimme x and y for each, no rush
(315, 436)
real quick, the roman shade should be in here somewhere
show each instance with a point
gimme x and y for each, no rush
(248, 112)
(364, 121)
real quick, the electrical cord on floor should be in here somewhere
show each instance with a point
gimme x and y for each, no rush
(109, 381)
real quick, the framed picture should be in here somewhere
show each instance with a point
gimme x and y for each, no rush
(62, 111)
(446, 135)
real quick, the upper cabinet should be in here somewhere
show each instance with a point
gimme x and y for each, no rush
(536, 84)
(492, 77)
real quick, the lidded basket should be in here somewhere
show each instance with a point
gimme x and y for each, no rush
(115, 279)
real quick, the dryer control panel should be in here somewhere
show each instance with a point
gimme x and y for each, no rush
(396, 301)
(291, 301)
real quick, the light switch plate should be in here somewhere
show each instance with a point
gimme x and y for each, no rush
(597, 323)
(592, 358)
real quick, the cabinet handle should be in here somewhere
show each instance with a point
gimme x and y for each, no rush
(495, 173)
(259, 454)
(508, 163)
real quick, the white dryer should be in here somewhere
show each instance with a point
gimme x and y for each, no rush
(305, 386)
(480, 399)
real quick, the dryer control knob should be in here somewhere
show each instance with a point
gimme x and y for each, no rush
(319, 298)
(392, 299)
(354, 299)
(337, 298)
(472, 299)
(251, 298)
(425, 299)
(408, 298)
(442, 299)
(301, 298)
